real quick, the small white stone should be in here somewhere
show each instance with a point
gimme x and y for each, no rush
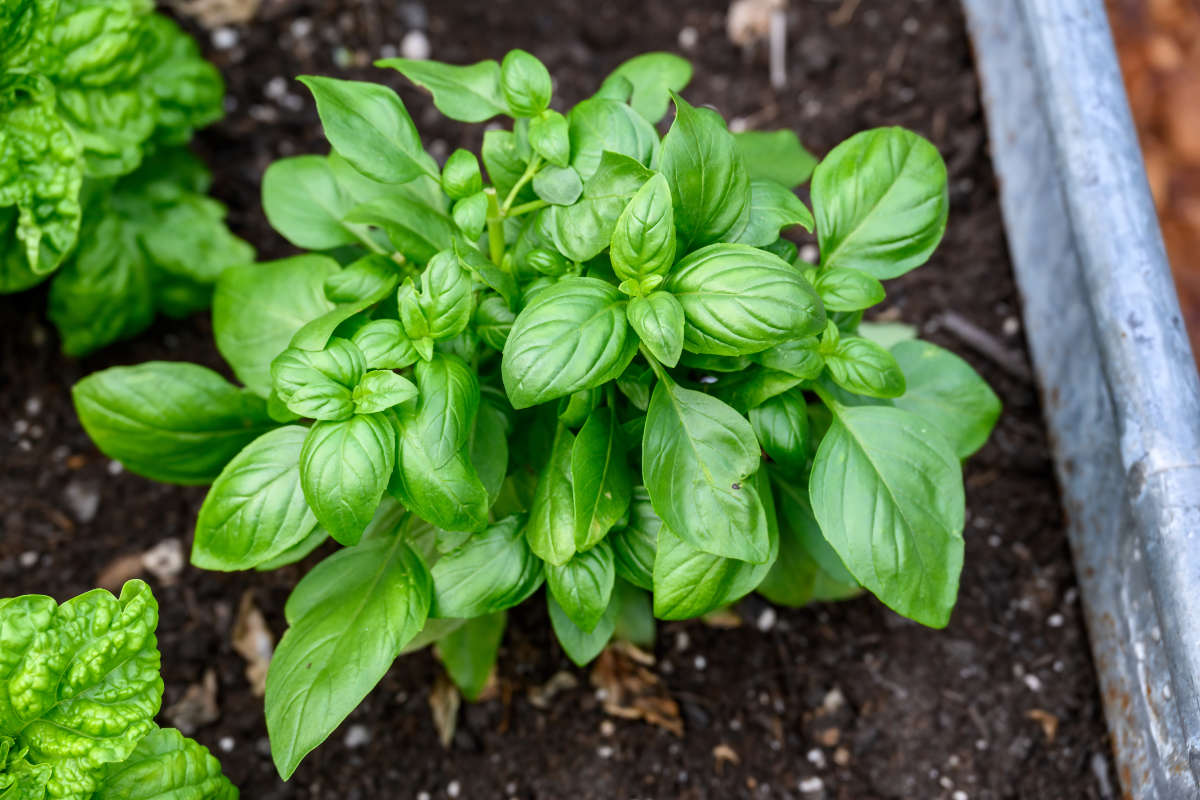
(21, 427)
(33, 406)
(1011, 326)
(115, 468)
(682, 641)
(224, 38)
(388, 51)
(604, 751)
(1055, 620)
(357, 736)
(28, 559)
(165, 560)
(981, 744)
(834, 699)
(415, 45)
(910, 26)
(423, 796)
(301, 27)
(767, 619)
(226, 744)
(276, 87)
(812, 785)
(701, 662)
(946, 782)
(809, 253)
(959, 795)
(816, 757)
(688, 37)
(1033, 682)
(454, 788)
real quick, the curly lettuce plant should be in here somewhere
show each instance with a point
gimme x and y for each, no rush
(79, 690)
(598, 368)
(97, 102)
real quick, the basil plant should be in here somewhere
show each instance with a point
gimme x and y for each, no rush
(98, 100)
(592, 363)
(79, 690)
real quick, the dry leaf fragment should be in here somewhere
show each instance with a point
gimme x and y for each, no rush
(216, 13)
(444, 701)
(632, 691)
(1048, 721)
(723, 753)
(540, 696)
(254, 642)
(198, 706)
(119, 570)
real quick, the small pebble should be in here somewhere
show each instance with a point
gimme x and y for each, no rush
(701, 662)
(388, 51)
(841, 756)
(28, 559)
(604, 751)
(454, 788)
(83, 500)
(1032, 681)
(809, 253)
(959, 795)
(682, 641)
(946, 783)
(115, 468)
(1011, 326)
(301, 27)
(834, 699)
(165, 560)
(606, 729)
(812, 785)
(423, 796)
(1055, 620)
(357, 736)
(276, 87)
(33, 406)
(688, 37)
(415, 45)
(816, 758)
(767, 619)
(226, 744)
(224, 38)
(910, 26)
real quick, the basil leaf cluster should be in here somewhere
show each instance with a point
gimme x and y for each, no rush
(79, 690)
(97, 103)
(585, 358)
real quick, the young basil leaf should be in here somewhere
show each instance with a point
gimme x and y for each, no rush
(368, 125)
(460, 176)
(172, 422)
(863, 367)
(255, 510)
(943, 390)
(887, 334)
(498, 279)
(652, 78)
(549, 137)
(582, 231)
(489, 447)
(551, 528)
(572, 336)
(581, 646)
(796, 510)
(416, 230)
(634, 546)
(881, 202)
(598, 126)
(364, 604)
(844, 289)
(559, 186)
(165, 764)
(697, 458)
(384, 345)
(600, 479)
(776, 156)
(757, 387)
(470, 215)
(257, 309)
(318, 383)
(887, 491)
(369, 278)
(503, 162)
(469, 652)
(297, 552)
(525, 83)
(447, 299)
(781, 425)
(658, 322)
(466, 93)
(344, 469)
(708, 181)
(493, 570)
(493, 321)
(80, 681)
(643, 240)
(773, 208)
(380, 390)
(583, 586)
(800, 358)
(635, 616)
(738, 299)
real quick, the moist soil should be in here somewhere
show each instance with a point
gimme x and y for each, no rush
(832, 701)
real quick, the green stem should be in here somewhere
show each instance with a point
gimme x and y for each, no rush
(525, 208)
(495, 228)
(365, 238)
(535, 164)
(658, 368)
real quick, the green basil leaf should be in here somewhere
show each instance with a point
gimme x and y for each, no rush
(305, 204)
(493, 570)
(559, 186)
(384, 345)
(601, 482)
(499, 279)
(570, 337)
(756, 387)
(583, 585)
(781, 425)
(172, 422)
(493, 321)
(708, 181)
(550, 138)
(79, 683)
(318, 383)
(447, 299)
(844, 289)
(365, 604)
(415, 229)
(581, 646)
(773, 208)
(881, 202)
(582, 231)
(776, 156)
(344, 469)
(255, 510)
(504, 163)
(551, 528)
(697, 458)
(635, 616)
(368, 125)
(658, 321)
(643, 240)
(635, 545)
(465, 93)
(489, 447)
(369, 278)
(166, 765)
(461, 177)
(738, 300)
(944, 391)
(470, 215)
(598, 126)
(796, 510)
(469, 652)
(297, 552)
(800, 358)
(863, 367)
(257, 309)
(652, 77)
(525, 82)
(887, 491)
(380, 390)
(887, 334)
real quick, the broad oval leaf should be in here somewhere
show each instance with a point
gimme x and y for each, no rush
(255, 510)
(658, 321)
(169, 421)
(781, 425)
(739, 300)
(643, 241)
(525, 83)
(887, 491)
(468, 93)
(492, 570)
(697, 458)
(881, 202)
(344, 469)
(572, 336)
(415, 229)
(843, 289)
(583, 586)
(579, 645)
(582, 231)
(773, 208)
(305, 204)
(597, 126)
(776, 156)
(860, 366)
(600, 478)
(551, 528)
(635, 545)
(366, 603)
(469, 652)
(166, 765)
(550, 138)
(653, 76)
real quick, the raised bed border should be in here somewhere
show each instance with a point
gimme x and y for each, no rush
(1120, 388)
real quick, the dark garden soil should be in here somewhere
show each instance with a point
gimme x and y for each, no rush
(845, 701)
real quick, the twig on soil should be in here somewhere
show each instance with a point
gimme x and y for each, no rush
(844, 14)
(986, 345)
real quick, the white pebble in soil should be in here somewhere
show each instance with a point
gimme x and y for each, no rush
(83, 500)
(701, 662)
(415, 45)
(454, 789)
(767, 619)
(226, 744)
(689, 37)
(224, 38)
(28, 559)
(809, 253)
(811, 785)
(358, 736)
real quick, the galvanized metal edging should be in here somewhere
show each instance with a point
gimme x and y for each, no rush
(1110, 351)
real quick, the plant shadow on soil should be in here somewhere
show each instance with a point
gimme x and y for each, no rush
(926, 714)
